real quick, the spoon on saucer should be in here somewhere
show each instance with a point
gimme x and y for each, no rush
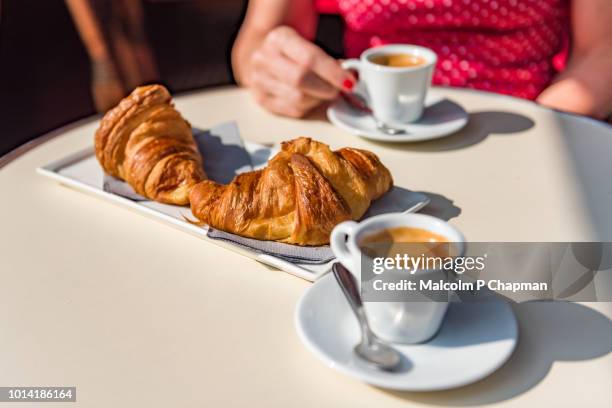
(370, 349)
(358, 103)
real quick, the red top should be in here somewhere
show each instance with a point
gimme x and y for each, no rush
(508, 46)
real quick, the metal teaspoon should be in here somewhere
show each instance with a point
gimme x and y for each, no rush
(370, 349)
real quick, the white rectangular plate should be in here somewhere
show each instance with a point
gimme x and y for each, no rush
(82, 172)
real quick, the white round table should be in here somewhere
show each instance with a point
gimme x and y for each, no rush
(134, 313)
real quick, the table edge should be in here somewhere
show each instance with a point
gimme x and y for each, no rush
(37, 141)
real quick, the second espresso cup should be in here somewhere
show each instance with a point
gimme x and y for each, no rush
(404, 322)
(396, 94)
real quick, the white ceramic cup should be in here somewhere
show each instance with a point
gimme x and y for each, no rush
(396, 322)
(396, 94)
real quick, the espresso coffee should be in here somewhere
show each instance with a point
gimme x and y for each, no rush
(398, 60)
(405, 240)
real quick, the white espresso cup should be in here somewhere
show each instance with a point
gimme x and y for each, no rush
(396, 95)
(406, 322)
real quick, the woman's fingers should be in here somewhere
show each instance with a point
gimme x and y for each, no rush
(288, 72)
(289, 75)
(281, 98)
(310, 57)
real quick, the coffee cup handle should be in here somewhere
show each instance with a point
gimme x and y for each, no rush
(338, 245)
(352, 63)
(355, 64)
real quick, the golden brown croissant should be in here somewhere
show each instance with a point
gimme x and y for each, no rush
(146, 142)
(305, 190)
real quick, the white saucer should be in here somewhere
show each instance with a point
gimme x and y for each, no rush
(474, 341)
(441, 118)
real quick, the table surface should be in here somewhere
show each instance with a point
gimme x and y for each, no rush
(134, 313)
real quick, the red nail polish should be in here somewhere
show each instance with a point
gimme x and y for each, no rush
(348, 84)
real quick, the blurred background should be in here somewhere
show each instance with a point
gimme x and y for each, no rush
(61, 60)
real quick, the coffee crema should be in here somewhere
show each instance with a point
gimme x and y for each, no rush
(398, 60)
(402, 234)
(405, 240)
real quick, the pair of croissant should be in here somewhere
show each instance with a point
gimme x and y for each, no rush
(305, 190)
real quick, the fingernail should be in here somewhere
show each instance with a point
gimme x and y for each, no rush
(348, 84)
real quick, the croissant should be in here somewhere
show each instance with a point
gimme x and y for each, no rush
(146, 142)
(304, 191)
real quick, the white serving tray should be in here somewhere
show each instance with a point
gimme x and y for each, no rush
(82, 172)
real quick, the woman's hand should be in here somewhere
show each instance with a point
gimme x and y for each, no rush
(290, 76)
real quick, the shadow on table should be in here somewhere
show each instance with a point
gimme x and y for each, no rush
(439, 206)
(480, 126)
(587, 146)
(548, 332)
(318, 114)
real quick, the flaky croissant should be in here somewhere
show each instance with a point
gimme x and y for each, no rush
(146, 142)
(305, 190)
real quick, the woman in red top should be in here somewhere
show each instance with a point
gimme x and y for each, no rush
(557, 52)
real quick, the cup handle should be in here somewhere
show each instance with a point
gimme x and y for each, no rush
(338, 245)
(352, 63)
(355, 64)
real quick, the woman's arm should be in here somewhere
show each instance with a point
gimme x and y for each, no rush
(274, 57)
(585, 86)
